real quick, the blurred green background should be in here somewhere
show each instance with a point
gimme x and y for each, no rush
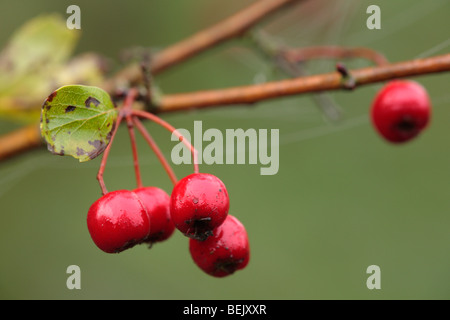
(343, 199)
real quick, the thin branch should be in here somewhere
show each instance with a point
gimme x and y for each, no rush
(322, 82)
(255, 93)
(229, 28)
(333, 52)
(322, 99)
(270, 48)
(226, 29)
(25, 138)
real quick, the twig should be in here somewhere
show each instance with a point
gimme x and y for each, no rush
(323, 82)
(333, 52)
(271, 49)
(228, 28)
(15, 142)
(270, 90)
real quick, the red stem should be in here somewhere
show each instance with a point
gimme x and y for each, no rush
(134, 149)
(127, 107)
(106, 153)
(164, 124)
(155, 149)
(124, 112)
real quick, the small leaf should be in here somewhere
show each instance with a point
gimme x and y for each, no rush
(36, 60)
(78, 121)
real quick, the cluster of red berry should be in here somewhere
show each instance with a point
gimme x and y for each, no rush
(401, 110)
(198, 207)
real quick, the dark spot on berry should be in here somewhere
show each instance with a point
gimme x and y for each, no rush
(150, 240)
(228, 266)
(199, 229)
(195, 200)
(92, 100)
(70, 109)
(406, 125)
(127, 245)
(47, 120)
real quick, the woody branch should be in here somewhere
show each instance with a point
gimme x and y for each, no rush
(301, 85)
(29, 137)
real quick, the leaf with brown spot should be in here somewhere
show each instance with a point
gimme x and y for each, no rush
(71, 128)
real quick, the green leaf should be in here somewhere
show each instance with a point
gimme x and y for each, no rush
(43, 42)
(34, 53)
(37, 60)
(78, 121)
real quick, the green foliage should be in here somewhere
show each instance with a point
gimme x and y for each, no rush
(78, 121)
(36, 61)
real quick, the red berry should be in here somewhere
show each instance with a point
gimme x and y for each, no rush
(157, 203)
(118, 221)
(223, 253)
(401, 110)
(199, 203)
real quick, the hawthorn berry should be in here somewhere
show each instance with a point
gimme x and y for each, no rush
(157, 203)
(118, 221)
(225, 252)
(199, 203)
(401, 110)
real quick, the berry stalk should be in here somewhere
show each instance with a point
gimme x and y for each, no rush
(127, 106)
(137, 170)
(167, 126)
(106, 154)
(155, 149)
